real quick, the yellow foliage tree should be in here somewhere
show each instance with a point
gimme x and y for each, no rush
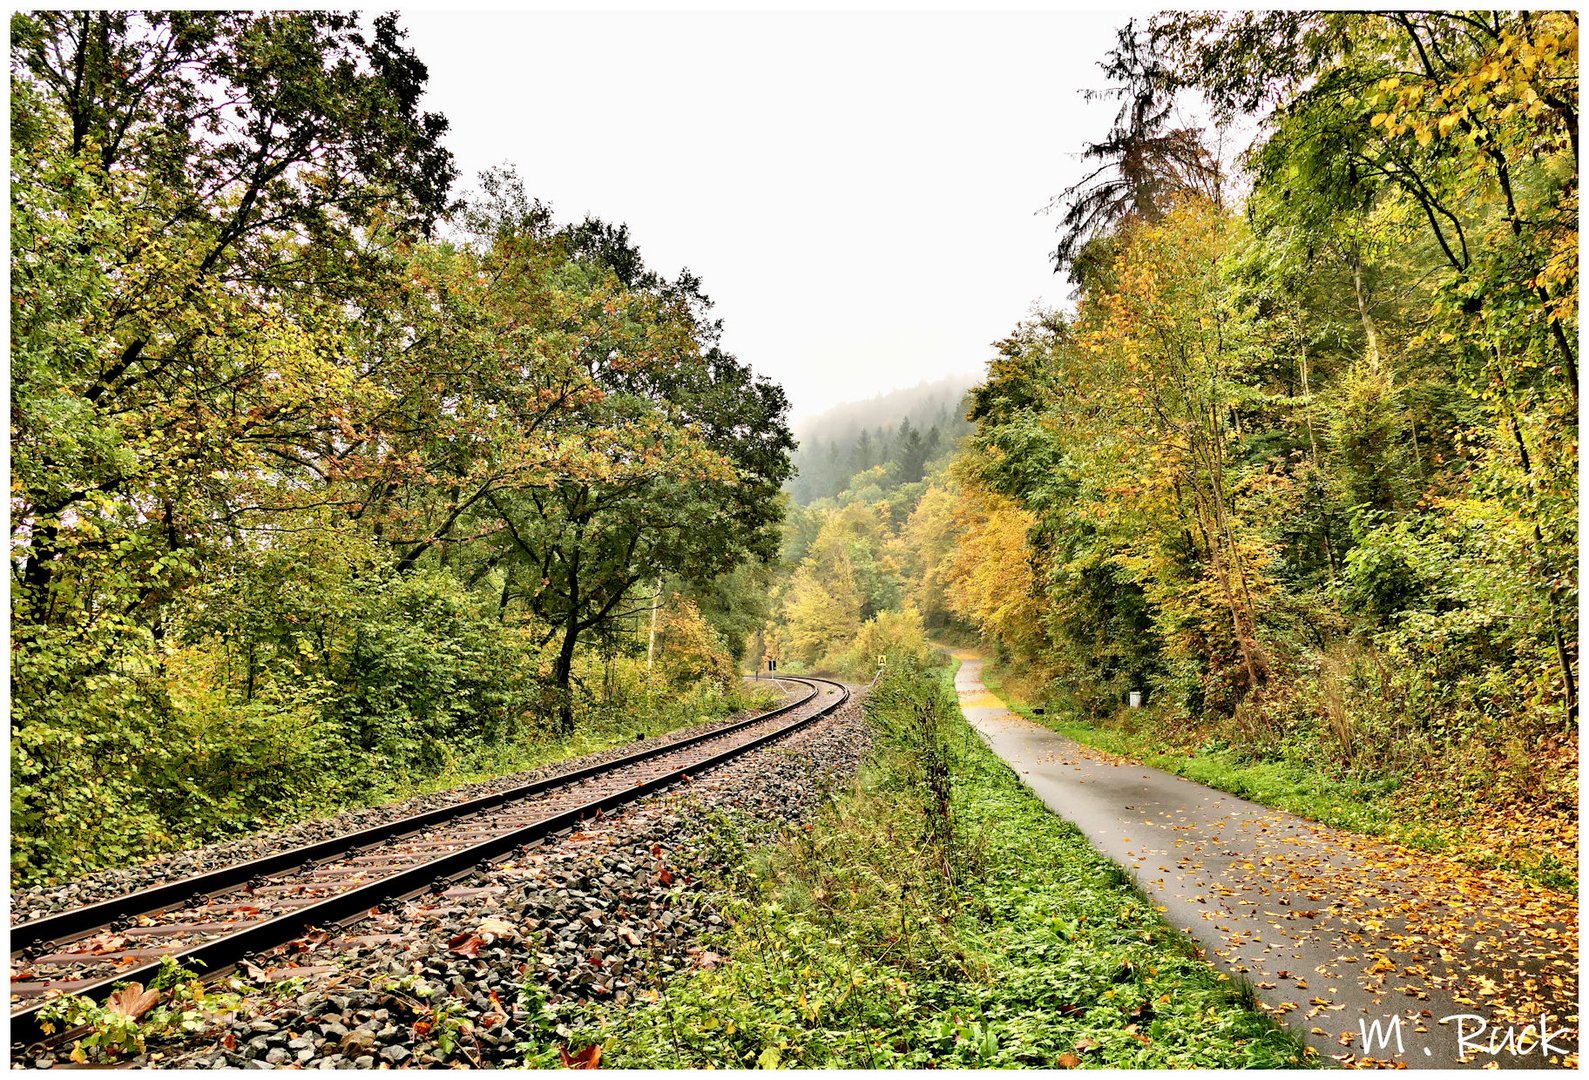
(925, 548)
(990, 580)
(820, 613)
(897, 637)
(689, 651)
(1168, 352)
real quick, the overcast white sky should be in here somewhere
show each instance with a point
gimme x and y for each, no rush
(858, 192)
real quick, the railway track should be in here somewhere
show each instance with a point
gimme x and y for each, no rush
(214, 921)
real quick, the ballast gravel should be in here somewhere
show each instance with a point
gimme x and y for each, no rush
(606, 914)
(37, 902)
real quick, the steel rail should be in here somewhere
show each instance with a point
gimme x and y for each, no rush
(64, 926)
(221, 954)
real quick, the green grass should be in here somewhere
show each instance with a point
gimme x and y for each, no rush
(595, 730)
(858, 942)
(1287, 785)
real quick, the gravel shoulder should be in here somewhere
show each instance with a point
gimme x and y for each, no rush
(607, 914)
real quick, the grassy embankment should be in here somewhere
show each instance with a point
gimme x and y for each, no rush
(599, 727)
(1470, 814)
(933, 914)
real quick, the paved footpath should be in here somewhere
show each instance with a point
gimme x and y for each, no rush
(1337, 932)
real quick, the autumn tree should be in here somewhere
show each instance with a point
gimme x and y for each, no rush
(1144, 163)
(926, 543)
(240, 164)
(1468, 120)
(200, 200)
(992, 582)
(682, 452)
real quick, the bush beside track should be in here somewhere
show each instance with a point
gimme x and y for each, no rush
(934, 914)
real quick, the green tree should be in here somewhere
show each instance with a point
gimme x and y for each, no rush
(684, 450)
(200, 200)
(1465, 122)
(913, 453)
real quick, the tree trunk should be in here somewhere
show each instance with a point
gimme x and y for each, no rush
(562, 677)
(1552, 585)
(563, 672)
(37, 575)
(1370, 333)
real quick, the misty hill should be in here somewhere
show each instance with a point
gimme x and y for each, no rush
(924, 402)
(901, 430)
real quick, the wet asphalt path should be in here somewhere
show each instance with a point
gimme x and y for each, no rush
(1336, 932)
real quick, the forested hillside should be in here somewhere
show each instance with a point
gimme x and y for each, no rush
(899, 433)
(1301, 468)
(326, 479)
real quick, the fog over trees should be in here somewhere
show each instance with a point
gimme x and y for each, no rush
(902, 431)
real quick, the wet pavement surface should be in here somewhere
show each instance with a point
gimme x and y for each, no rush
(1346, 938)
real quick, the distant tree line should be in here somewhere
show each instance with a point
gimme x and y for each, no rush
(901, 446)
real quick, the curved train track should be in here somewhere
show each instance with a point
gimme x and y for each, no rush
(218, 919)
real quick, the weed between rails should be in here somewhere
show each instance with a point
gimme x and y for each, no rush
(933, 914)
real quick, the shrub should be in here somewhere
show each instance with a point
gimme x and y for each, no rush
(898, 637)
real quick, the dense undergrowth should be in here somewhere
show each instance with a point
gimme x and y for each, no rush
(1513, 810)
(238, 770)
(934, 914)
